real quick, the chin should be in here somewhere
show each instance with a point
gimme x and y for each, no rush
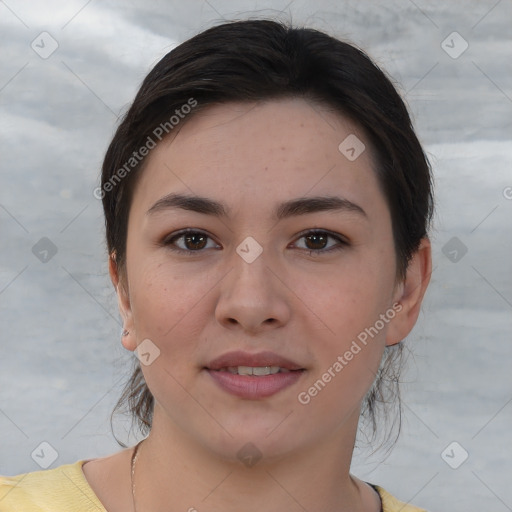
(257, 437)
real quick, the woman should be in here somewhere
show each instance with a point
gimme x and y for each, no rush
(267, 206)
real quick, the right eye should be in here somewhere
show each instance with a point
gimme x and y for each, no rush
(187, 241)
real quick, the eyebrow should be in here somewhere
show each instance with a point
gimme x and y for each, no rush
(291, 208)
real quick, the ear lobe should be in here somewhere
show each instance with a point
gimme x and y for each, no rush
(123, 300)
(410, 293)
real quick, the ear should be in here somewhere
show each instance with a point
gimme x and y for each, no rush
(409, 293)
(129, 341)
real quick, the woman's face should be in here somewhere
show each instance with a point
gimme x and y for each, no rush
(263, 280)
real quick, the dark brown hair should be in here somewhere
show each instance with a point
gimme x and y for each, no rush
(258, 60)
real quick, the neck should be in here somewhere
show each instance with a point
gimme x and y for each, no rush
(174, 469)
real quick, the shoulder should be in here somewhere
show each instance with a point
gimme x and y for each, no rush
(391, 504)
(63, 489)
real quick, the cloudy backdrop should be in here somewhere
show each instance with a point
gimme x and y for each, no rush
(69, 69)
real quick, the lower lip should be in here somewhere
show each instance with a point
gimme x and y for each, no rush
(253, 388)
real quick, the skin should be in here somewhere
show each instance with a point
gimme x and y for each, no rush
(308, 308)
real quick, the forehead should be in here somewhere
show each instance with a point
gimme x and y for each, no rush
(252, 153)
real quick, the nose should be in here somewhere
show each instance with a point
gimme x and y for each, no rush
(253, 297)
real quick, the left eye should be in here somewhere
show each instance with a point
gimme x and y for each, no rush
(317, 242)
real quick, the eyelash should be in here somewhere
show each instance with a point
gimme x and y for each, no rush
(342, 242)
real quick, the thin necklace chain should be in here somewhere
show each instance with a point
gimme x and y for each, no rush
(134, 460)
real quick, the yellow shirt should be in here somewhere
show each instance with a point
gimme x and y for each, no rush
(65, 489)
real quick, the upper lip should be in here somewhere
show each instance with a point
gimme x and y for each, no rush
(240, 358)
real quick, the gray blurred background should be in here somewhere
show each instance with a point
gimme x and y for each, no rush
(68, 69)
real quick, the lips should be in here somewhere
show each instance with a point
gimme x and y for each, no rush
(244, 359)
(253, 376)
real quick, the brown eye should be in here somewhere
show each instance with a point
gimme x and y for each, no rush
(317, 242)
(188, 241)
(195, 241)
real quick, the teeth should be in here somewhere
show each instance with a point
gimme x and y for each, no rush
(244, 370)
(265, 370)
(255, 370)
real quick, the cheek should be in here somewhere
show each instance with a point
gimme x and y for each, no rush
(167, 310)
(165, 306)
(348, 297)
(347, 354)
(349, 344)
